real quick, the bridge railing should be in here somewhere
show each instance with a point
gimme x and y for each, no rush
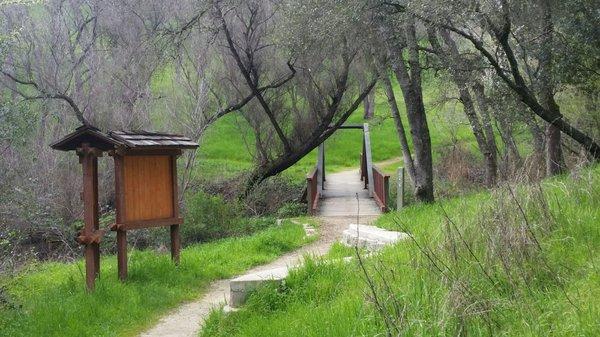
(312, 190)
(364, 177)
(381, 188)
(375, 180)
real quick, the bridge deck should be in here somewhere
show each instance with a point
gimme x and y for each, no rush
(338, 199)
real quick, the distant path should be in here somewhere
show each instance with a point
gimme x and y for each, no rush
(384, 163)
(338, 210)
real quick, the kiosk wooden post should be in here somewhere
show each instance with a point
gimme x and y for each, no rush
(175, 237)
(89, 143)
(88, 157)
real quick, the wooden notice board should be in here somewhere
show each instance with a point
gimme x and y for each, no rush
(145, 187)
(148, 187)
(146, 190)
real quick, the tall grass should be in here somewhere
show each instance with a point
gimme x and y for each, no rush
(48, 299)
(520, 261)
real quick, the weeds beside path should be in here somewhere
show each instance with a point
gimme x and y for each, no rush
(188, 319)
(49, 299)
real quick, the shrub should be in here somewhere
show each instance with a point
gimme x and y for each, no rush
(291, 209)
(271, 195)
(209, 217)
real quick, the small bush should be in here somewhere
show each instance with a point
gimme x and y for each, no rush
(271, 195)
(209, 217)
(291, 210)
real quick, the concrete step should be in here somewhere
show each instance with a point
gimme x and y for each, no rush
(370, 237)
(241, 287)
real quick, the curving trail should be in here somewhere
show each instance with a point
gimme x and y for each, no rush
(337, 210)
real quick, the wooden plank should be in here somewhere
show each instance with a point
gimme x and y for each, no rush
(312, 195)
(90, 267)
(379, 202)
(386, 192)
(149, 152)
(96, 245)
(320, 167)
(148, 188)
(119, 191)
(138, 224)
(175, 189)
(309, 195)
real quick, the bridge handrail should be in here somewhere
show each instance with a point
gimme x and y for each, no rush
(312, 190)
(381, 188)
(363, 170)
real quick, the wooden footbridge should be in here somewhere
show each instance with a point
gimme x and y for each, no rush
(348, 193)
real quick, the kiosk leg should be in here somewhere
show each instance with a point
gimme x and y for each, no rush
(122, 254)
(175, 243)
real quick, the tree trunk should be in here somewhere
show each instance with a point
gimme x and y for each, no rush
(452, 59)
(554, 156)
(517, 83)
(490, 137)
(539, 144)
(410, 83)
(369, 105)
(506, 133)
(555, 163)
(407, 157)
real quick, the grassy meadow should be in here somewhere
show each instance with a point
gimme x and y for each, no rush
(49, 299)
(227, 145)
(485, 264)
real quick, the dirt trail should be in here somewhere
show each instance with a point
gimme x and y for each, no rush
(187, 320)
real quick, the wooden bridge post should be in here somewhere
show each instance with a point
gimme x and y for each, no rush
(321, 168)
(368, 158)
(400, 190)
(386, 192)
(312, 190)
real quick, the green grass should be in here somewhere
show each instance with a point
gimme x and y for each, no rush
(48, 299)
(227, 146)
(554, 290)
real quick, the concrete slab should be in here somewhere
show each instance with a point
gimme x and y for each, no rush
(241, 287)
(370, 237)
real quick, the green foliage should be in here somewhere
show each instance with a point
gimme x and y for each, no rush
(272, 194)
(499, 271)
(209, 217)
(49, 299)
(224, 151)
(291, 209)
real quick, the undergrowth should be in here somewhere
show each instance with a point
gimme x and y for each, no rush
(520, 261)
(49, 299)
